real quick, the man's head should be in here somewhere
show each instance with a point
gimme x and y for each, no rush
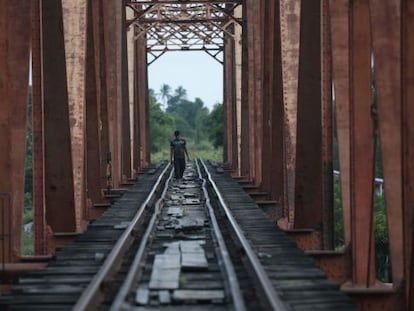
(177, 134)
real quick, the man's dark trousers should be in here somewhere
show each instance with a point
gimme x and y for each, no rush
(179, 167)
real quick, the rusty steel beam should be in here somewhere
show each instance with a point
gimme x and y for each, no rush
(131, 86)
(112, 40)
(308, 180)
(39, 217)
(141, 135)
(339, 10)
(408, 145)
(327, 133)
(136, 160)
(59, 186)
(254, 89)
(290, 36)
(386, 42)
(93, 155)
(244, 104)
(101, 82)
(273, 110)
(229, 103)
(362, 146)
(74, 27)
(268, 15)
(14, 71)
(125, 118)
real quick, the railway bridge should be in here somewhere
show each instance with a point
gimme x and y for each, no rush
(303, 80)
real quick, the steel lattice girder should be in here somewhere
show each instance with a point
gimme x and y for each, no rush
(197, 25)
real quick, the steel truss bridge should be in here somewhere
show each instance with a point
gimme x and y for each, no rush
(298, 86)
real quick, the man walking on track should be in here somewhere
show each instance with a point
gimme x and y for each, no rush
(178, 153)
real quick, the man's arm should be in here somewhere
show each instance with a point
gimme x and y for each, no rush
(186, 153)
(171, 154)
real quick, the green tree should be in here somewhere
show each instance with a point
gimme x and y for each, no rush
(165, 93)
(179, 94)
(162, 125)
(216, 125)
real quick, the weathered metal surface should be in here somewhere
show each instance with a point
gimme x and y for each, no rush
(131, 87)
(92, 116)
(254, 88)
(327, 131)
(308, 180)
(144, 107)
(290, 37)
(101, 89)
(386, 43)
(59, 186)
(74, 33)
(335, 264)
(39, 221)
(273, 109)
(245, 123)
(339, 10)
(229, 105)
(408, 146)
(125, 110)
(112, 45)
(174, 26)
(362, 146)
(14, 71)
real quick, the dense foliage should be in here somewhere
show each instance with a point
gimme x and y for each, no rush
(201, 128)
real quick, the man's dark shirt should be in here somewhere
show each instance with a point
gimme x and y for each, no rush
(178, 146)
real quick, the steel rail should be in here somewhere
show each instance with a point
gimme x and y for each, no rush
(90, 296)
(273, 298)
(133, 270)
(233, 282)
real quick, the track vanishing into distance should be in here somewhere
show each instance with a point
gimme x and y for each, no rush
(200, 243)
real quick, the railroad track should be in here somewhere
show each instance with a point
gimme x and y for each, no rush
(199, 244)
(182, 259)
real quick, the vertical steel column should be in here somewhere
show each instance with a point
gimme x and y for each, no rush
(268, 13)
(136, 134)
(308, 180)
(142, 101)
(93, 156)
(244, 105)
(273, 111)
(386, 42)
(131, 86)
(229, 102)
(327, 133)
(408, 145)
(339, 10)
(59, 191)
(362, 146)
(39, 219)
(112, 39)
(14, 72)
(290, 39)
(75, 27)
(125, 119)
(255, 87)
(102, 97)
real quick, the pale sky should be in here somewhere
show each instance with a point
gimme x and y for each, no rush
(197, 72)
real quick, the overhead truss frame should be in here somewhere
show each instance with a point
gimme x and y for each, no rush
(184, 25)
